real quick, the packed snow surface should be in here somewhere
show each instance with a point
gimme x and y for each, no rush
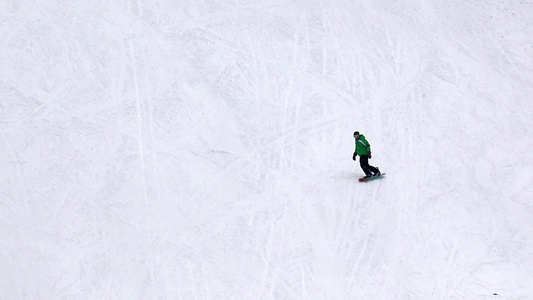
(202, 149)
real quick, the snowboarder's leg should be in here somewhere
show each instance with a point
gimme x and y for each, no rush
(363, 161)
(374, 170)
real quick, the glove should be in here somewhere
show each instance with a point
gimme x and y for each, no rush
(369, 155)
(354, 156)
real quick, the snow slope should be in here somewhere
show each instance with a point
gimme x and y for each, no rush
(202, 149)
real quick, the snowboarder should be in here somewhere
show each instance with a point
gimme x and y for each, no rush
(362, 148)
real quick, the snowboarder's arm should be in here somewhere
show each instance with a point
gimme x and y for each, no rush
(367, 146)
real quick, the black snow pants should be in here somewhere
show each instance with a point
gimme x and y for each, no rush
(368, 169)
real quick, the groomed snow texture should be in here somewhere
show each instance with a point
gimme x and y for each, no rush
(202, 149)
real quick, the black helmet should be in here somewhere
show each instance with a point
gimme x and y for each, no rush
(356, 134)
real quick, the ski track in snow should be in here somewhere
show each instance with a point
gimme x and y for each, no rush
(202, 150)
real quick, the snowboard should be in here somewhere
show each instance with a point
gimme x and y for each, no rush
(362, 179)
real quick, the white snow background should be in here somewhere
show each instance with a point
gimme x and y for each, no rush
(201, 149)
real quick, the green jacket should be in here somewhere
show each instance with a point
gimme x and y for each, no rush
(362, 147)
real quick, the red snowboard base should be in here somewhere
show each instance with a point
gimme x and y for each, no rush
(363, 179)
